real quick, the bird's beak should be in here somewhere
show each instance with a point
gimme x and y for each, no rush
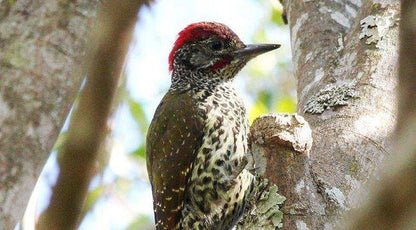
(254, 50)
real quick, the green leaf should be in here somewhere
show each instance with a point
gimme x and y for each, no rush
(286, 105)
(142, 222)
(262, 105)
(265, 96)
(140, 152)
(139, 116)
(276, 17)
(258, 109)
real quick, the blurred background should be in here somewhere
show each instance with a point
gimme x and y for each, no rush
(120, 195)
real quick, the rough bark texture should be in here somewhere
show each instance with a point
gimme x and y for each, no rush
(345, 59)
(392, 202)
(281, 144)
(41, 43)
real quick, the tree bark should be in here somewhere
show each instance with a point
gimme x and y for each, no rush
(345, 60)
(392, 201)
(108, 48)
(41, 47)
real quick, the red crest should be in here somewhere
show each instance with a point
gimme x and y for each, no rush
(199, 30)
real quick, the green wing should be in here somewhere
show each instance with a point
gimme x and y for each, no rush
(173, 138)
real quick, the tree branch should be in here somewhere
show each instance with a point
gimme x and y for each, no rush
(109, 46)
(280, 145)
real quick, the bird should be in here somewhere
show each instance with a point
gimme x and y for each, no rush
(196, 144)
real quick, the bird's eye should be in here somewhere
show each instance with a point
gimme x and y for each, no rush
(216, 45)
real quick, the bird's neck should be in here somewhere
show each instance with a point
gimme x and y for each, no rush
(197, 81)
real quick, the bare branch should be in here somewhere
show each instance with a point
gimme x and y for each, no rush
(109, 46)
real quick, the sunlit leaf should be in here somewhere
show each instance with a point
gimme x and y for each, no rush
(265, 97)
(286, 105)
(140, 152)
(258, 109)
(142, 222)
(139, 116)
(276, 17)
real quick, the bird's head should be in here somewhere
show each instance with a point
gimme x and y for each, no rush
(212, 49)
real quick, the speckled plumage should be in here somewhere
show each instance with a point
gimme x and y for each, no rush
(197, 141)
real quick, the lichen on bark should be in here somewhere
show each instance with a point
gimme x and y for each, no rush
(331, 96)
(263, 211)
(280, 145)
(347, 93)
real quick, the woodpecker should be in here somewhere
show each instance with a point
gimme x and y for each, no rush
(196, 144)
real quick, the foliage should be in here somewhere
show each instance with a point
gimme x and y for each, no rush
(272, 85)
(139, 116)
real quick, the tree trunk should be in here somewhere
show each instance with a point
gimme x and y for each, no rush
(41, 45)
(392, 202)
(108, 47)
(345, 60)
